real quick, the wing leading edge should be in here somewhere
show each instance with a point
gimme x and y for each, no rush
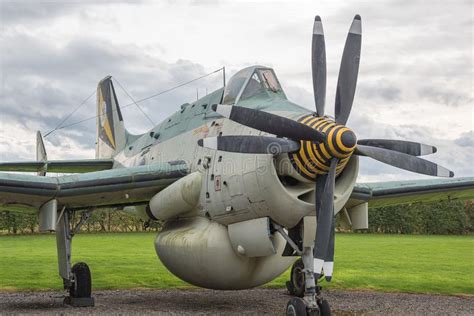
(402, 192)
(125, 186)
(59, 166)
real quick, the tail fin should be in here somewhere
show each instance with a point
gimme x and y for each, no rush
(41, 152)
(111, 133)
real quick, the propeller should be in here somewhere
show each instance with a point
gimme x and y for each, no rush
(347, 80)
(325, 214)
(328, 265)
(250, 144)
(321, 136)
(346, 85)
(404, 161)
(318, 65)
(410, 148)
(270, 123)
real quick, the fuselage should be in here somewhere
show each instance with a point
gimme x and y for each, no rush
(235, 188)
(240, 186)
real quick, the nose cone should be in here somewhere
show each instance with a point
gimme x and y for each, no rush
(341, 142)
(348, 139)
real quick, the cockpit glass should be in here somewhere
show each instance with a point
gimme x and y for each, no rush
(269, 80)
(253, 87)
(234, 86)
(249, 82)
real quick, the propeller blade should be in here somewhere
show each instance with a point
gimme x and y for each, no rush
(328, 266)
(318, 65)
(404, 161)
(250, 144)
(324, 220)
(346, 83)
(402, 146)
(270, 123)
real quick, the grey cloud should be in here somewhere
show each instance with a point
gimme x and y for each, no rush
(444, 96)
(405, 45)
(459, 159)
(292, 32)
(42, 84)
(465, 140)
(31, 11)
(27, 12)
(380, 89)
(400, 13)
(198, 2)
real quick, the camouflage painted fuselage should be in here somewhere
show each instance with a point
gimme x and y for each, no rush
(235, 188)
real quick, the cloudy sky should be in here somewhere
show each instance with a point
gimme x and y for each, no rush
(415, 79)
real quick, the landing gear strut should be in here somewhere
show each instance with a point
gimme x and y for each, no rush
(308, 297)
(77, 280)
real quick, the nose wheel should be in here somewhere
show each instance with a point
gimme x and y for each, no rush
(296, 285)
(308, 298)
(297, 306)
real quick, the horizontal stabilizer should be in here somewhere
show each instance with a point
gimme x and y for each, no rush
(59, 166)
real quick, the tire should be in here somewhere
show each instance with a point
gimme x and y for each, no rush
(324, 308)
(297, 278)
(82, 281)
(296, 307)
(289, 287)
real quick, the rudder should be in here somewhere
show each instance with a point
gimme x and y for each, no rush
(111, 133)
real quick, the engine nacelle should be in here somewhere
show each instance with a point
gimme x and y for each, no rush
(179, 198)
(199, 251)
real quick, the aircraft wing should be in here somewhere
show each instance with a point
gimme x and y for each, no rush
(115, 187)
(402, 192)
(58, 166)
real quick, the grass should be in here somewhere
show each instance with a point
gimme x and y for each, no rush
(401, 263)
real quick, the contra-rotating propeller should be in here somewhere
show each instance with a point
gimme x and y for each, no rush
(328, 142)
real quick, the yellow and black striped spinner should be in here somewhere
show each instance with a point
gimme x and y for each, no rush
(314, 159)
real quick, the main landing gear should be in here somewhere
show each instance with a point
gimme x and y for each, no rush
(77, 280)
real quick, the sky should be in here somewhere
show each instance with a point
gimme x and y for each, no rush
(415, 78)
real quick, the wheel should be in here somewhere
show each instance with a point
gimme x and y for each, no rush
(289, 287)
(297, 278)
(324, 308)
(82, 281)
(296, 307)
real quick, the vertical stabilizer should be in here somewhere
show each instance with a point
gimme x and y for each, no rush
(111, 134)
(41, 152)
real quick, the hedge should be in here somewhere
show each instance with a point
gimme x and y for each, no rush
(454, 217)
(441, 218)
(100, 221)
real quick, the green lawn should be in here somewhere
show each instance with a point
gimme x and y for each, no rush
(431, 264)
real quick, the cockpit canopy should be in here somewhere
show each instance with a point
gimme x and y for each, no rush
(250, 82)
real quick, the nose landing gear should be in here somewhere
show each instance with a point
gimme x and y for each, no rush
(296, 285)
(308, 297)
(307, 301)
